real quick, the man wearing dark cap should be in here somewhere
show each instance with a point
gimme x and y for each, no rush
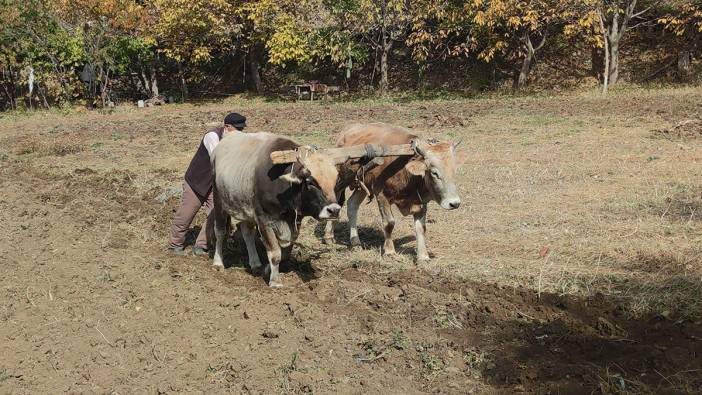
(197, 188)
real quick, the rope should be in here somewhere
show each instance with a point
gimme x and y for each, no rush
(370, 151)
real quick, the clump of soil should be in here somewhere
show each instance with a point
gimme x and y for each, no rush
(686, 129)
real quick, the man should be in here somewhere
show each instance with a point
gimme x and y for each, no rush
(197, 188)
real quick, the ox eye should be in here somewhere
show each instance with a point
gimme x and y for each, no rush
(435, 173)
(312, 182)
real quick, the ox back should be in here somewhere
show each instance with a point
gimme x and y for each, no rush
(397, 184)
(247, 181)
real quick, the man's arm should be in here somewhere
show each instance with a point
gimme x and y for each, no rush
(210, 141)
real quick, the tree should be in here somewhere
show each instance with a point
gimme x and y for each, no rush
(102, 25)
(519, 29)
(380, 23)
(684, 19)
(441, 29)
(191, 32)
(282, 31)
(32, 43)
(617, 17)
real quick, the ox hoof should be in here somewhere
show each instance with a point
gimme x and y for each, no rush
(275, 284)
(389, 252)
(257, 270)
(423, 259)
(329, 241)
(218, 264)
(355, 242)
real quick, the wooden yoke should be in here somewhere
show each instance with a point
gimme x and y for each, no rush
(341, 155)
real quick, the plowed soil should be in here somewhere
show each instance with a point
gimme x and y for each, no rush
(563, 273)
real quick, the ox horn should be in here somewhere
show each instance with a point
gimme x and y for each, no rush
(416, 147)
(305, 151)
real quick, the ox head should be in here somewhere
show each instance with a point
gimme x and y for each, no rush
(436, 163)
(316, 174)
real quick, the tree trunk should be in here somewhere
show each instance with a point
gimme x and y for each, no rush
(614, 61)
(143, 82)
(606, 65)
(153, 82)
(521, 80)
(42, 92)
(30, 85)
(153, 76)
(255, 68)
(386, 45)
(8, 80)
(183, 85)
(104, 86)
(10, 99)
(597, 62)
(383, 72)
(614, 30)
(375, 65)
(684, 58)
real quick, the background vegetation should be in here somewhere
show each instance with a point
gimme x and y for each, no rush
(97, 53)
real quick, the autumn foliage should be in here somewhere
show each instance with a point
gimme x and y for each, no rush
(100, 52)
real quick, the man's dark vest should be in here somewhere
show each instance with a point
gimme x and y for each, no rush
(199, 174)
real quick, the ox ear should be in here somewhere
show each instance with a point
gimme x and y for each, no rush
(416, 167)
(296, 176)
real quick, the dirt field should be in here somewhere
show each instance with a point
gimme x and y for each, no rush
(574, 265)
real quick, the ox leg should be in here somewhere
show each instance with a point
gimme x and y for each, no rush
(270, 241)
(340, 191)
(329, 232)
(221, 220)
(248, 232)
(388, 224)
(420, 228)
(352, 211)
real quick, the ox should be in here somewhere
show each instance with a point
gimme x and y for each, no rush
(250, 189)
(407, 182)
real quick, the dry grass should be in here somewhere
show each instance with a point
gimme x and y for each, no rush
(55, 146)
(577, 176)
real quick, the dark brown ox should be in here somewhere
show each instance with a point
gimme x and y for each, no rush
(408, 182)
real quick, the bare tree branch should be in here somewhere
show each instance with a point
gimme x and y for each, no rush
(543, 41)
(643, 23)
(638, 14)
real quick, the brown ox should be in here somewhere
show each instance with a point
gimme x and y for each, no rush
(407, 182)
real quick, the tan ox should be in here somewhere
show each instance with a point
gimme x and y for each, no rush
(410, 183)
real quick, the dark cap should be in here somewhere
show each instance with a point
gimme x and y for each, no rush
(235, 119)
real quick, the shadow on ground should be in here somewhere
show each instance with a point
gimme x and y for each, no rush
(371, 237)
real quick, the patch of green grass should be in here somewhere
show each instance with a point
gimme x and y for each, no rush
(432, 365)
(5, 375)
(474, 359)
(445, 319)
